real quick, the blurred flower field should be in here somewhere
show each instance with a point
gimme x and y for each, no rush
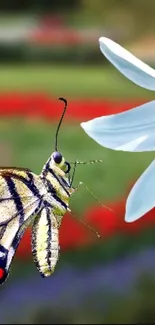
(50, 50)
(28, 127)
(86, 274)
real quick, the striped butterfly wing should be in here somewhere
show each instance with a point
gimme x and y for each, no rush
(20, 199)
(45, 242)
(19, 188)
(12, 234)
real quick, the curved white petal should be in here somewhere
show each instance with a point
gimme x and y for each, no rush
(133, 130)
(133, 68)
(141, 199)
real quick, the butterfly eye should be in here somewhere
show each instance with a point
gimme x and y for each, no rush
(57, 157)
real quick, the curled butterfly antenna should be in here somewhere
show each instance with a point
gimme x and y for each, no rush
(58, 127)
(86, 224)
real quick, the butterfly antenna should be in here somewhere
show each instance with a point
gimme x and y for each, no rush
(85, 224)
(58, 127)
(87, 162)
(77, 162)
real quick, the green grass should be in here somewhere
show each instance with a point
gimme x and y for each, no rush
(30, 144)
(70, 81)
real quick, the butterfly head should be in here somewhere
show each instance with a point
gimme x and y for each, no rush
(58, 160)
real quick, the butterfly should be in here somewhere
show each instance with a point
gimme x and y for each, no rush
(41, 200)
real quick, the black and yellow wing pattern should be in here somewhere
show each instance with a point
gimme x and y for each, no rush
(21, 193)
(27, 198)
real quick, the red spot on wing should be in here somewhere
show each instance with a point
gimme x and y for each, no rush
(1, 273)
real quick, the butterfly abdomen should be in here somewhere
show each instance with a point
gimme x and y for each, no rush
(45, 245)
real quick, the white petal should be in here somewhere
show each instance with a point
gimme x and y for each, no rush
(133, 130)
(133, 68)
(141, 199)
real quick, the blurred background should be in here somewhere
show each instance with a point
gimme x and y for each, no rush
(49, 49)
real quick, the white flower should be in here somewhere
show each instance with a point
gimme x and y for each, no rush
(133, 130)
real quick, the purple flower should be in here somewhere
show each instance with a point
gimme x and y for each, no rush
(70, 288)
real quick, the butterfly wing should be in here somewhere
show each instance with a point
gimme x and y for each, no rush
(20, 198)
(19, 188)
(45, 242)
(10, 236)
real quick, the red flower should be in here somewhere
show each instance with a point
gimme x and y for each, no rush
(24, 248)
(73, 233)
(103, 220)
(41, 105)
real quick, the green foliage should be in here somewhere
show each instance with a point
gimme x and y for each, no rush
(137, 307)
(60, 54)
(70, 81)
(136, 16)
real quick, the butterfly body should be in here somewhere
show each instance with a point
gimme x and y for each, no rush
(42, 200)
